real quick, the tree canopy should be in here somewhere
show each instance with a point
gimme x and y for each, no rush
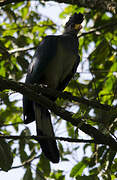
(88, 104)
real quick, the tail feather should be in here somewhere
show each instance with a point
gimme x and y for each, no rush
(44, 128)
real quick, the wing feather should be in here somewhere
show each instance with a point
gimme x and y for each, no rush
(43, 55)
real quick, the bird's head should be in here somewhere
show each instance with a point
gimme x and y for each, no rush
(74, 23)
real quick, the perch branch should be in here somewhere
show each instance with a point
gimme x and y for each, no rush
(98, 136)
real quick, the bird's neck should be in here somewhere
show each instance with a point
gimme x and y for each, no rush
(70, 31)
(71, 40)
(70, 34)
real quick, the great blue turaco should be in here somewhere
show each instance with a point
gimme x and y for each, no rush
(53, 65)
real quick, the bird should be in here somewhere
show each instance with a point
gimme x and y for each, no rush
(53, 65)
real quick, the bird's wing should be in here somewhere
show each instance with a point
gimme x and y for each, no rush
(62, 85)
(43, 55)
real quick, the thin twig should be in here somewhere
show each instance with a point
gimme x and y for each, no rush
(23, 49)
(74, 140)
(24, 163)
(12, 124)
(98, 29)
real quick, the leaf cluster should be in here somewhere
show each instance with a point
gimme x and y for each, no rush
(22, 28)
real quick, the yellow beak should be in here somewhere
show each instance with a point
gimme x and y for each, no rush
(78, 26)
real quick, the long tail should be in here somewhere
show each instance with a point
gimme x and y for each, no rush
(44, 128)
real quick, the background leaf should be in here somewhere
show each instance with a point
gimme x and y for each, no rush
(6, 157)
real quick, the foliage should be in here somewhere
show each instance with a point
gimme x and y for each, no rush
(21, 30)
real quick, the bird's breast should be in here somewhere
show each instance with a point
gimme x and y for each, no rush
(60, 66)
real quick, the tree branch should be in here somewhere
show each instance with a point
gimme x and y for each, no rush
(98, 136)
(108, 25)
(67, 95)
(74, 140)
(99, 5)
(23, 49)
(5, 2)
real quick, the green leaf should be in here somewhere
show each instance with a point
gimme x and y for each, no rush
(45, 165)
(92, 177)
(78, 169)
(58, 175)
(22, 144)
(70, 129)
(28, 174)
(2, 69)
(112, 154)
(101, 52)
(6, 157)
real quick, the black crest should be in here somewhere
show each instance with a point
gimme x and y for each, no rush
(75, 19)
